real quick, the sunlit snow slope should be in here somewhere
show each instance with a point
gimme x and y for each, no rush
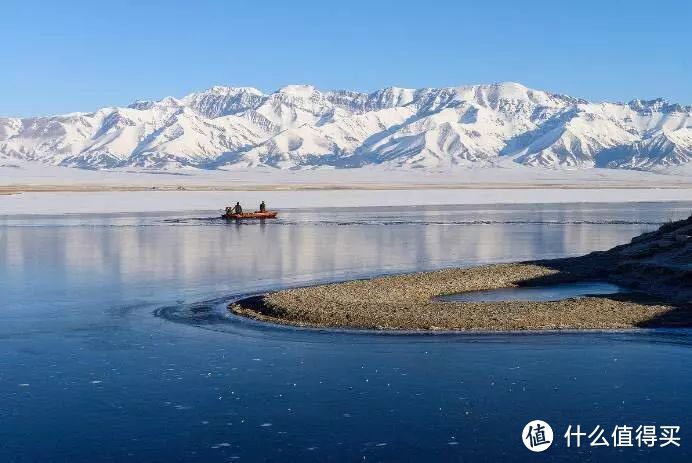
(299, 126)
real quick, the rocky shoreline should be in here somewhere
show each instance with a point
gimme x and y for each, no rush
(656, 266)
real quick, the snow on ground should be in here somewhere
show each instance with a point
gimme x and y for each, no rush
(174, 201)
(34, 174)
(374, 186)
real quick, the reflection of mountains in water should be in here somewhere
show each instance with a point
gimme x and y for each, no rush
(198, 252)
(213, 221)
(207, 221)
(478, 222)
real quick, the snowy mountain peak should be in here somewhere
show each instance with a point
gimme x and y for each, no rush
(299, 126)
(657, 105)
(223, 90)
(168, 101)
(141, 105)
(298, 90)
(393, 96)
(220, 101)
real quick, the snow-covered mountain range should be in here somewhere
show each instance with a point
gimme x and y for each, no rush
(299, 126)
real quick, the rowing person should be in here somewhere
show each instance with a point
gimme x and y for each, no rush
(237, 209)
(263, 207)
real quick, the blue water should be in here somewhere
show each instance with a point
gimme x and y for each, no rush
(115, 344)
(553, 292)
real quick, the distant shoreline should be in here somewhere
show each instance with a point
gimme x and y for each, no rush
(97, 188)
(176, 202)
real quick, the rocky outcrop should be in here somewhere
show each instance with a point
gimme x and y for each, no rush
(658, 263)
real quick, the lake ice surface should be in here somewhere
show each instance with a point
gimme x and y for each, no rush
(115, 345)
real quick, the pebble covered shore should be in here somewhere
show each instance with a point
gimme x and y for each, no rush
(405, 302)
(656, 265)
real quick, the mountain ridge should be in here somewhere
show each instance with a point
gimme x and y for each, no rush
(300, 127)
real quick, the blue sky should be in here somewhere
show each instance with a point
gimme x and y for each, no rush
(81, 55)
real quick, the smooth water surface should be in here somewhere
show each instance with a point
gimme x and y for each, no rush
(115, 344)
(554, 292)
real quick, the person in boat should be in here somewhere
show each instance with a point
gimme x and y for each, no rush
(263, 207)
(237, 209)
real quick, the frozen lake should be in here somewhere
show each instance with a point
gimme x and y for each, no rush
(115, 345)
